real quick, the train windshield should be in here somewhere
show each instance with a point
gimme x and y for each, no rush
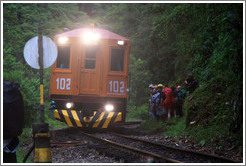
(63, 59)
(117, 59)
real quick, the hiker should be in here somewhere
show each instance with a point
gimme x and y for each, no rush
(174, 102)
(169, 100)
(151, 89)
(191, 84)
(181, 93)
(161, 111)
(155, 102)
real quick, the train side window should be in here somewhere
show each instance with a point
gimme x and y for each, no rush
(117, 59)
(63, 59)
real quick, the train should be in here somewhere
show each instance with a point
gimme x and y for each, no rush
(89, 80)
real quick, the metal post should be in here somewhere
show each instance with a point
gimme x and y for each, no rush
(40, 134)
(40, 52)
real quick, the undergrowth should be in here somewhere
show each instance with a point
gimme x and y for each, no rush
(25, 140)
(175, 126)
(137, 113)
(209, 112)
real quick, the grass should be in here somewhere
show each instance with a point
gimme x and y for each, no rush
(54, 124)
(25, 139)
(137, 113)
(20, 154)
(176, 127)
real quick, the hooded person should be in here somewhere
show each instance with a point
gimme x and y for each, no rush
(191, 84)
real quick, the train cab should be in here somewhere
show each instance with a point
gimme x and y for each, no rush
(89, 79)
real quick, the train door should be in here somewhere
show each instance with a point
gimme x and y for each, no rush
(89, 71)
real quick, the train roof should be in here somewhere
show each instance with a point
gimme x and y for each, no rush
(104, 34)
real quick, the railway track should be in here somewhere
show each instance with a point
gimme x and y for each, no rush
(179, 154)
(133, 150)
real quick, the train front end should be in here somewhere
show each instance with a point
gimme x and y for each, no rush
(88, 82)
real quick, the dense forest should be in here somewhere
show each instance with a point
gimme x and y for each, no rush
(168, 42)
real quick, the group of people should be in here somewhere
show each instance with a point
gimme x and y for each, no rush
(165, 102)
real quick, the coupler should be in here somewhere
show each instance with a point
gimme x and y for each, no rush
(41, 138)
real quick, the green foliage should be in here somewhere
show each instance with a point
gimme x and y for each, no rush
(20, 154)
(137, 113)
(138, 87)
(210, 108)
(208, 102)
(54, 124)
(175, 126)
(25, 136)
(25, 139)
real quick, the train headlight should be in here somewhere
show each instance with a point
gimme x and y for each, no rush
(120, 42)
(109, 107)
(90, 38)
(63, 40)
(69, 105)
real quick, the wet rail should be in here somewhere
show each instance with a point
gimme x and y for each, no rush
(179, 154)
(138, 153)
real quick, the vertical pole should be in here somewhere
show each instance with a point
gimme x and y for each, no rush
(40, 52)
(40, 131)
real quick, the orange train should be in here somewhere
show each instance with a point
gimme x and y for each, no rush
(88, 81)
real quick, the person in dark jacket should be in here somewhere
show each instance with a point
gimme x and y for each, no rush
(155, 100)
(181, 93)
(13, 120)
(191, 84)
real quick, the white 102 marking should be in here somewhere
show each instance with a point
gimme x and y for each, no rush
(114, 86)
(122, 83)
(62, 83)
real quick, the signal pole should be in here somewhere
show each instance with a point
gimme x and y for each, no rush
(40, 132)
(40, 52)
(41, 64)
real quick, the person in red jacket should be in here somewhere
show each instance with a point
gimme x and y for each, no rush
(169, 100)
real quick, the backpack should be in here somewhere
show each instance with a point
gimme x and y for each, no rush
(183, 93)
(13, 110)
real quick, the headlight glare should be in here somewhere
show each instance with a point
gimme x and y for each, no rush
(109, 107)
(69, 105)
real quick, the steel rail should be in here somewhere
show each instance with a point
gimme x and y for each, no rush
(178, 149)
(136, 150)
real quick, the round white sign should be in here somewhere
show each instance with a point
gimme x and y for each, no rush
(31, 52)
